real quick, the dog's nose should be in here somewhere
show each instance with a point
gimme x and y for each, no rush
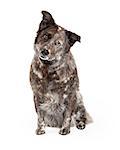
(45, 52)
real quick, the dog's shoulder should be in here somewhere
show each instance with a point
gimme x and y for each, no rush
(71, 63)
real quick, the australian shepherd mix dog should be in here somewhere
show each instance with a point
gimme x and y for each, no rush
(54, 79)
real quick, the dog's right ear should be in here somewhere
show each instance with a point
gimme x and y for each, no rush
(47, 21)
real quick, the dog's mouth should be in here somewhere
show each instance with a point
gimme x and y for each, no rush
(44, 57)
(46, 60)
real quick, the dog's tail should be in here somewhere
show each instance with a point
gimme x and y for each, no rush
(88, 118)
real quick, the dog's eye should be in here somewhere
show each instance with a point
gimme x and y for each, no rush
(46, 37)
(57, 43)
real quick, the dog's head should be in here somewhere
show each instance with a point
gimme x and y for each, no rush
(52, 41)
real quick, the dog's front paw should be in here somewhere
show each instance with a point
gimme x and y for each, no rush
(64, 131)
(39, 131)
(80, 125)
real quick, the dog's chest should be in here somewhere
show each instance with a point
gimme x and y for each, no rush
(54, 94)
(54, 86)
(54, 81)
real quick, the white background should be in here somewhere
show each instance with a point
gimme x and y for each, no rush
(97, 59)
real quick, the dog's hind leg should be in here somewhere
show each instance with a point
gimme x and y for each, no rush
(82, 117)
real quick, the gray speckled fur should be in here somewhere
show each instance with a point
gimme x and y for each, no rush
(55, 82)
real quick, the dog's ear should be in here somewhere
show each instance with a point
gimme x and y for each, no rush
(47, 21)
(72, 37)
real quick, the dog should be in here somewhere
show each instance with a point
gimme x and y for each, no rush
(54, 79)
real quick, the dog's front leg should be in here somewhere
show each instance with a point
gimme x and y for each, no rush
(40, 113)
(41, 125)
(65, 129)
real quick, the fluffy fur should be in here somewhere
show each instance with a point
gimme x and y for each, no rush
(54, 79)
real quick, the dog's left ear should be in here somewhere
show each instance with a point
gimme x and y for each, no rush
(72, 37)
(47, 21)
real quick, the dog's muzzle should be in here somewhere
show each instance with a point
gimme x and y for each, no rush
(44, 57)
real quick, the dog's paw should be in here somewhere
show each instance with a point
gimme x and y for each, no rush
(64, 131)
(39, 132)
(80, 125)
